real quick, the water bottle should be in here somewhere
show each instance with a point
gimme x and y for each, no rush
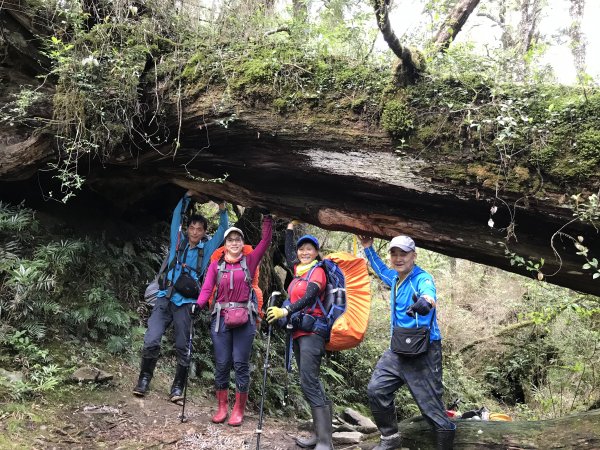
(340, 297)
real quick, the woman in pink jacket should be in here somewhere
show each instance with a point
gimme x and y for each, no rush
(234, 314)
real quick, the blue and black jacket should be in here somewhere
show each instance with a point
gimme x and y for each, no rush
(418, 282)
(189, 255)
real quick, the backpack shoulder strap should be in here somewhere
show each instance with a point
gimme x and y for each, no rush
(312, 269)
(220, 272)
(244, 265)
(200, 255)
(176, 256)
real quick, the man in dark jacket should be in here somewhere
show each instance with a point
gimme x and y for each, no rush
(189, 256)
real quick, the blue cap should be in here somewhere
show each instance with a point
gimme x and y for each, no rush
(308, 238)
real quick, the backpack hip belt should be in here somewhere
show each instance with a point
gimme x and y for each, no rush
(219, 306)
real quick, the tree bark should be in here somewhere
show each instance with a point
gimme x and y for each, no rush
(454, 23)
(407, 71)
(578, 41)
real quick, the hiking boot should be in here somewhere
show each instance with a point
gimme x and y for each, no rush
(392, 442)
(311, 441)
(308, 442)
(221, 413)
(178, 383)
(444, 439)
(322, 423)
(237, 414)
(387, 423)
(146, 372)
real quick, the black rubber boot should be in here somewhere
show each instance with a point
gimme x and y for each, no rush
(311, 441)
(322, 423)
(178, 383)
(387, 423)
(444, 439)
(146, 372)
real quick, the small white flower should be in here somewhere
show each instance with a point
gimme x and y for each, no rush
(491, 223)
(133, 10)
(90, 60)
(493, 210)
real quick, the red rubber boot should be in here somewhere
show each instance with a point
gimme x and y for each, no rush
(221, 413)
(237, 415)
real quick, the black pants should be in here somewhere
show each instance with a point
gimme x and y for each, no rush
(309, 351)
(163, 314)
(422, 375)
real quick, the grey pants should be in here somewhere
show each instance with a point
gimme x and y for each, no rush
(309, 351)
(163, 314)
(422, 375)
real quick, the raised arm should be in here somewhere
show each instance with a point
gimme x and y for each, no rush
(217, 238)
(387, 275)
(291, 256)
(176, 222)
(267, 234)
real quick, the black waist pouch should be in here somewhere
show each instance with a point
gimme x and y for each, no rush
(187, 286)
(311, 324)
(410, 341)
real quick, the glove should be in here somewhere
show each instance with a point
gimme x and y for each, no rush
(420, 307)
(274, 313)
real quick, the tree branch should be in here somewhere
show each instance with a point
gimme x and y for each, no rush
(454, 23)
(407, 71)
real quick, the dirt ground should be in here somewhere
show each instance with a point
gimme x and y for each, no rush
(110, 417)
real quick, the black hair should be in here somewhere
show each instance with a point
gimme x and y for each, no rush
(198, 218)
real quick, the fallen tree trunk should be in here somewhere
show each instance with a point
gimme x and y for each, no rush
(578, 431)
(329, 163)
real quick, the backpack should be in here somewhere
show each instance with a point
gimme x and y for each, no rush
(217, 255)
(346, 302)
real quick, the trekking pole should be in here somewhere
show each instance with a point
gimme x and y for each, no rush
(274, 295)
(187, 373)
(287, 362)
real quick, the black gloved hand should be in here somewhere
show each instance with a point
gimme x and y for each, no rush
(420, 307)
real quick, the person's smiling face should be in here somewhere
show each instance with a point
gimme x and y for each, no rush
(307, 253)
(234, 244)
(402, 262)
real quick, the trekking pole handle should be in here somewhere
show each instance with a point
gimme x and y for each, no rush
(274, 295)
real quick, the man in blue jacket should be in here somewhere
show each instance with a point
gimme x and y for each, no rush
(189, 256)
(413, 302)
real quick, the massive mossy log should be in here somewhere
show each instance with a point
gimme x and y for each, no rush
(408, 161)
(580, 431)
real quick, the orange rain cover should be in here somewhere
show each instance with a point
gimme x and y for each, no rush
(218, 253)
(349, 329)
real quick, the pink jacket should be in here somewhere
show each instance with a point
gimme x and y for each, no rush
(241, 289)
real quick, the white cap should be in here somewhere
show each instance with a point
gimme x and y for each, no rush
(403, 243)
(233, 230)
